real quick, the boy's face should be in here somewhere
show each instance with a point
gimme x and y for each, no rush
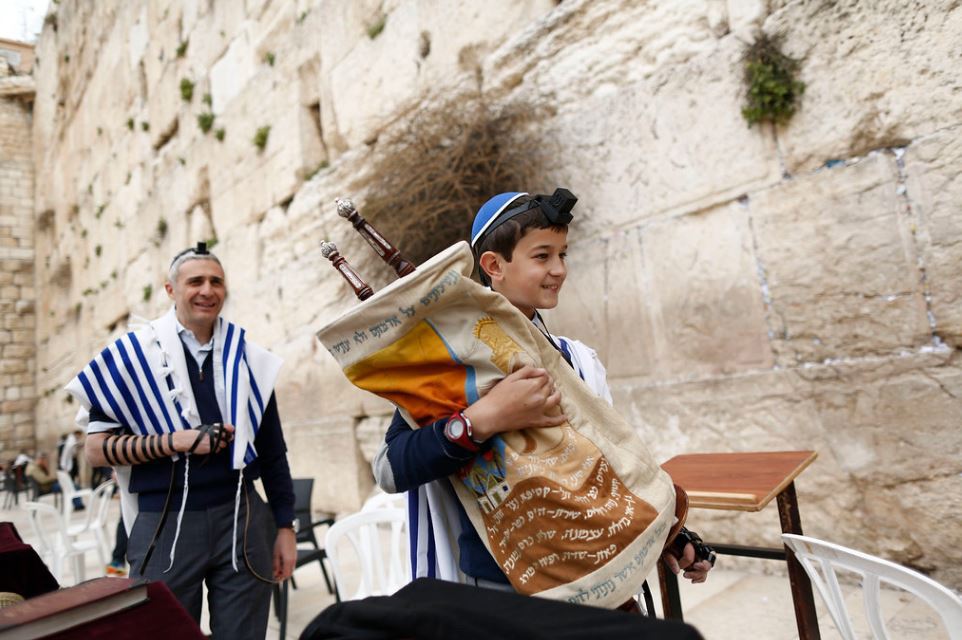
(533, 278)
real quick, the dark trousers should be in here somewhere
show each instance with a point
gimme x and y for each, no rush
(239, 602)
(120, 545)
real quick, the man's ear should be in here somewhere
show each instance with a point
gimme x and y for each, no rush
(491, 263)
(169, 288)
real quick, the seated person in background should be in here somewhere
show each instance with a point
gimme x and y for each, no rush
(39, 470)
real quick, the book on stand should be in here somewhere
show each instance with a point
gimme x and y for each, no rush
(67, 608)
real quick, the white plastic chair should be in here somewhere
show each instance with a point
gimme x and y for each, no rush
(820, 560)
(96, 520)
(382, 500)
(69, 492)
(55, 545)
(383, 563)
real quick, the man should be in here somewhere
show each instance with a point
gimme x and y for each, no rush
(184, 409)
(39, 470)
(68, 462)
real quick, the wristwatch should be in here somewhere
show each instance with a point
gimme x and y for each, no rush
(458, 430)
(294, 524)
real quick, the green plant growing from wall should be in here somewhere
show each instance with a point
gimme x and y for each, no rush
(208, 100)
(145, 126)
(130, 123)
(182, 48)
(261, 137)
(772, 90)
(98, 250)
(100, 211)
(269, 58)
(186, 89)
(161, 232)
(205, 121)
(148, 291)
(375, 29)
(323, 164)
(220, 133)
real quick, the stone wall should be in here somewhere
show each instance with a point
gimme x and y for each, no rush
(748, 288)
(17, 316)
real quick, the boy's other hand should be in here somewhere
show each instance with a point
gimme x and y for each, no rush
(694, 571)
(526, 398)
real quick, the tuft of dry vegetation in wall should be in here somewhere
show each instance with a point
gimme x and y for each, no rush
(432, 176)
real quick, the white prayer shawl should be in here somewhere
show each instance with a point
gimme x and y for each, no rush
(432, 508)
(142, 383)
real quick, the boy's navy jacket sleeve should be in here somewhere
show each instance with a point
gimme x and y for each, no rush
(418, 456)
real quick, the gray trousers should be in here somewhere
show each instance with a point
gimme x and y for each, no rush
(239, 603)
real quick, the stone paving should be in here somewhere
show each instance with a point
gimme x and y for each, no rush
(736, 603)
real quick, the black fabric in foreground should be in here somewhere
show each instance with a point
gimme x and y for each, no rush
(427, 609)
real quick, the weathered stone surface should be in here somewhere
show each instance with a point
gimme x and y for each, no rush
(839, 264)
(657, 147)
(934, 190)
(877, 74)
(675, 278)
(881, 428)
(582, 309)
(327, 449)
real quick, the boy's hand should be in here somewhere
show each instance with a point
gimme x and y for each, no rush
(525, 398)
(696, 571)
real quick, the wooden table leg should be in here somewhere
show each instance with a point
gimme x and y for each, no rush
(802, 595)
(670, 596)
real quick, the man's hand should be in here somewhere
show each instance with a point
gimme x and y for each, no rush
(694, 571)
(525, 398)
(184, 440)
(285, 554)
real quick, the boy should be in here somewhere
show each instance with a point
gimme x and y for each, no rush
(519, 244)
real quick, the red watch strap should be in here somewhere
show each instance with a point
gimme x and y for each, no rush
(465, 439)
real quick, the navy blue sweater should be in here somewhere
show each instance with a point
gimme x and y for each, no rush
(216, 482)
(418, 456)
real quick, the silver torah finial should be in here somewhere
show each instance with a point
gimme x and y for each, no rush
(328, 249)
(361, 289)
(345, 207)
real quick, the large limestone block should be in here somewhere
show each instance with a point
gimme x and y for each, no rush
(231, 73)
(376, 77)
(934, 188)
(704, 299)
(885, 430)
(582, 309)
(671, 142)
(325, 449)
(839, 264)
(938, 500)
(893, 420)
(877, 74)
(244, 181)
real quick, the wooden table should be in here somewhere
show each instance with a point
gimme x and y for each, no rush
(746, 481)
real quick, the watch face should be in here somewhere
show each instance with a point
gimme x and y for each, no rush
(454, 429)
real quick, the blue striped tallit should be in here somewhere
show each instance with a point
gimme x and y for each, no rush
(141, 382)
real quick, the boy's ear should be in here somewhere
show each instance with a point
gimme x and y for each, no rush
(491, 263)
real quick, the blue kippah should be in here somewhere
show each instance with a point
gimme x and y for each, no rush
(490, 211)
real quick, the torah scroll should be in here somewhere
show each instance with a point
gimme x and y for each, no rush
(578, 512)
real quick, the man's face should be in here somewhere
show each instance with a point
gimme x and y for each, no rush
(199, 293)
(533, 278)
